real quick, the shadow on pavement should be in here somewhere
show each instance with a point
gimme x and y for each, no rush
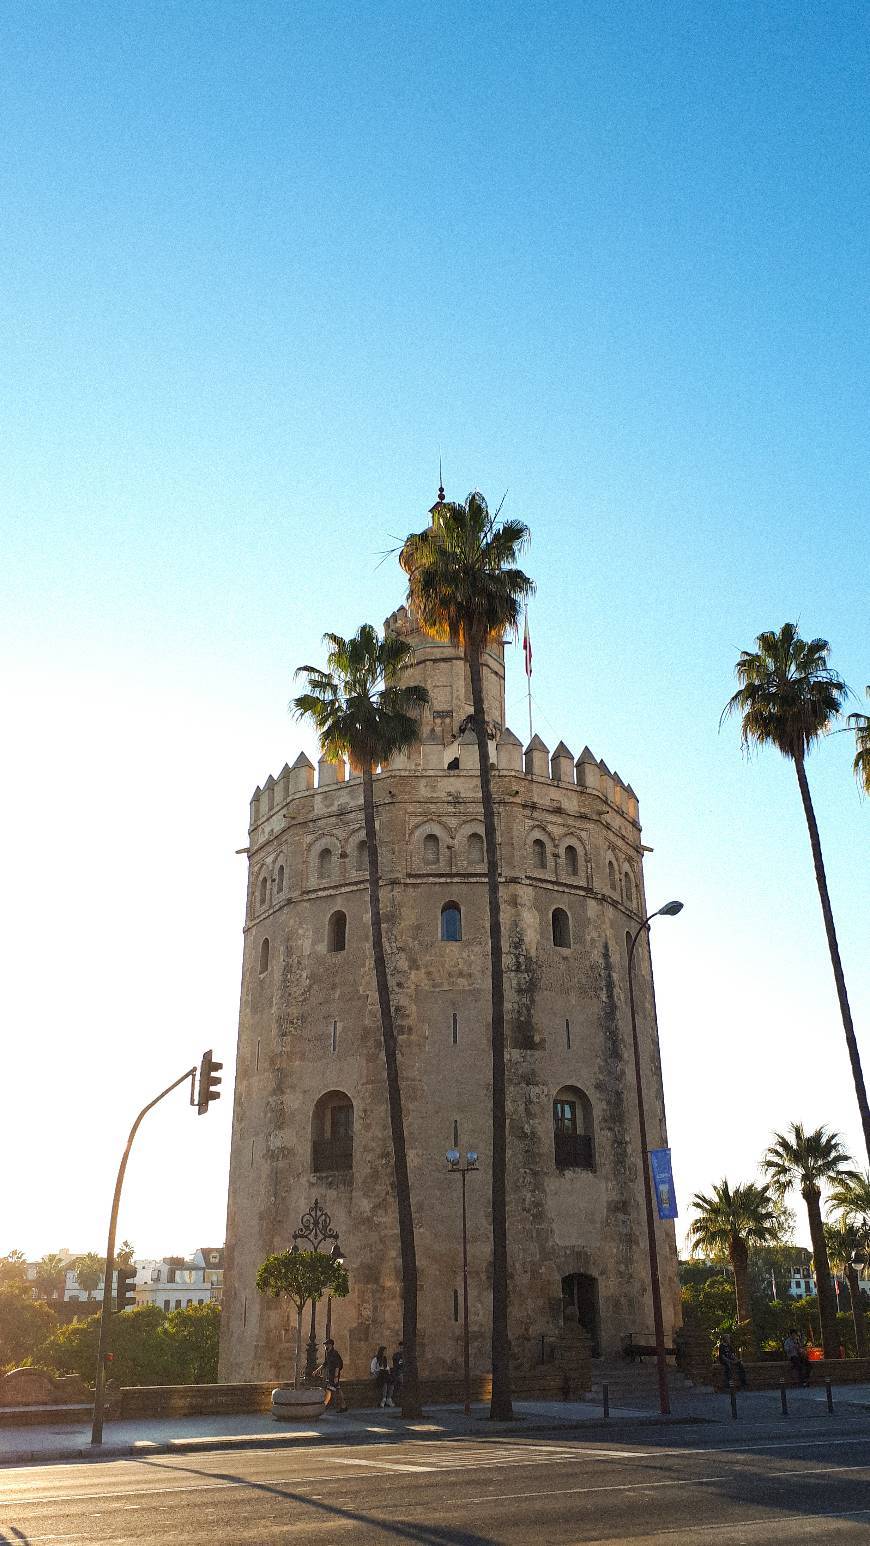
(16, 1538)
(426, 1535)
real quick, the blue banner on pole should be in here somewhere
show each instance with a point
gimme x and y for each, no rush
(663, 1181)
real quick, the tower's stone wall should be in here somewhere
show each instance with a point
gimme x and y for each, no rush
(309, 1031)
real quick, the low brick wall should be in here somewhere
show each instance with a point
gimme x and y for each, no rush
(546, 1384)
(769, 1375)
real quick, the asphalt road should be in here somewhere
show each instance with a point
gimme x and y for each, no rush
(460, 1492)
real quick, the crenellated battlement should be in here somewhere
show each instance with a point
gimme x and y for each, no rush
(535, 762)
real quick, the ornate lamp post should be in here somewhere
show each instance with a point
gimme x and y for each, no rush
(455, 1166)
(315, 1227)
(669, 910)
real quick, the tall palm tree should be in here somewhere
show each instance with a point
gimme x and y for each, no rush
(849, 1200)
(51, 1275)
(464, 585)
(860, 723)
(805, 1162)
(89, 1271)
(728, 1222)
(361, 711)
(848, 1241)
(788, 697)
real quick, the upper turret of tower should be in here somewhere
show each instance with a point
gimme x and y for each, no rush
(443, 671)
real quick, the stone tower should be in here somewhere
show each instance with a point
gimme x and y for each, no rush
(310, 1116)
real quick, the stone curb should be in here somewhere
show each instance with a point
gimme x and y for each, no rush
(595, 1427)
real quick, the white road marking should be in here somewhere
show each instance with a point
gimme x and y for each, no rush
(489, 1454)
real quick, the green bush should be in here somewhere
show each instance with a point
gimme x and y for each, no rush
(149, 1346)
(25, 1326)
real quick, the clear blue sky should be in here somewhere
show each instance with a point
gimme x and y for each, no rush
(258, 264)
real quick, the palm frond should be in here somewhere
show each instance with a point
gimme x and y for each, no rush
(359, 706)
(788, 695)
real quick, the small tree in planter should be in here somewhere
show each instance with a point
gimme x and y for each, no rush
(301, 1276)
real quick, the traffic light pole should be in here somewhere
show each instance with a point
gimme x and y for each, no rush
(106, 1312)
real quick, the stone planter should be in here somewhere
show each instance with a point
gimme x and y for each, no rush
(297, 1406)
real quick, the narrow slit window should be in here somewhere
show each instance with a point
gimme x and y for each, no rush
(568, 1035)
(264, 891)
(257, 1069)
(455, 1304)
(279, 880)
(334, 1035)
(455, 1029)
(264, 957)
(455, 1133)
(245, 1312)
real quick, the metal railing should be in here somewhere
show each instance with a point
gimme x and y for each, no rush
(332, 1154)
(574, 1151)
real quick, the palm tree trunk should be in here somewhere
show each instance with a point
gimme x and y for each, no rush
(857, 1310)
(824, 1285)
(501, 1407)
(833, 947)
(740, 1267)
(407, 1248)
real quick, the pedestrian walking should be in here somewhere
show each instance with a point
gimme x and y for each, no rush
(380, 1370)
(330, 1373)
(397, 1374)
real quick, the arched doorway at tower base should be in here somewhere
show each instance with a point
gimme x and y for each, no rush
(580, 1306)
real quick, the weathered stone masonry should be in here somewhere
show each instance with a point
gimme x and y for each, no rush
(310, 1042)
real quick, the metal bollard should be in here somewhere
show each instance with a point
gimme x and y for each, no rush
(782, 1397)
(733, 1394)
(830, 1397)
(605, 1396)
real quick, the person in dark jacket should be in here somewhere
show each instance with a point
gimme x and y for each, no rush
(330, 1371)
(398, 1372)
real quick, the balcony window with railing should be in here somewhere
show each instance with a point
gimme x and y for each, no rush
(332, 1133)
(573, 1139)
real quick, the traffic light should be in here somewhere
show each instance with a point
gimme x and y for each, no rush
(209, 1079)
(125, 1291)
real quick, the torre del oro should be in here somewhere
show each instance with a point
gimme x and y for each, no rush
(310, 1118)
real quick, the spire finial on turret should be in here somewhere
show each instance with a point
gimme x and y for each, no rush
(440, 499)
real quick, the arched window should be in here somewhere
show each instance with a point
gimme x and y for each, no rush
(264, 890)
(476, 850)
(431, 849)
(539, 854)
(332, 1133)
(279, 880)
(571, 865)
(627, 890)
(572, 1130)
(611, 875)
(324, 864)
(336, 932)
(451, 922)
(361, 855)
(561, 928)
(264, 957)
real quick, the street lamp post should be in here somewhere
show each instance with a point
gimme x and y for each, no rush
(669, 910)
(315, 1226)
(454, 1164)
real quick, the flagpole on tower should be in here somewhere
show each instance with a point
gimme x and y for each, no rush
(527, 656)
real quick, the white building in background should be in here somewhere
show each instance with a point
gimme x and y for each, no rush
(177, 1282)
(73, 1288)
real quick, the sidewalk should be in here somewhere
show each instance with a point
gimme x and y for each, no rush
(149, 1436)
